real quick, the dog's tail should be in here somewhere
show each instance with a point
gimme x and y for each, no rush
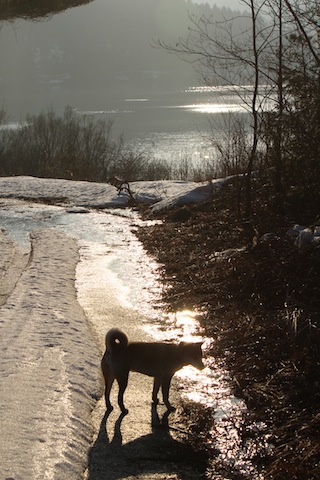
(115, 338)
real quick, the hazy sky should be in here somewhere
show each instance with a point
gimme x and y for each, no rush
(234, 4)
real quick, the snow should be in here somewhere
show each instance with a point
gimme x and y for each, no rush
(50, 376)
(103, 195)
(188, 194)
(48, 384)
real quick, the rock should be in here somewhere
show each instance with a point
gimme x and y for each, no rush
(305, 238)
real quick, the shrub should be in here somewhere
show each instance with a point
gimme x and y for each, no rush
(71, 146)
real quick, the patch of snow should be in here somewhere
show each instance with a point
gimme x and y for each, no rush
(49, 367)
(188, 194)
(229, 253)
(103, 195)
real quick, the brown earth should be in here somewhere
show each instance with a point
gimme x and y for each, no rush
(260, 302)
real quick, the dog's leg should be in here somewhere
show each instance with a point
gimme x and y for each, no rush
(122, 382)
(165, 386)
(109, 379)
(109, 382)
(156, 386)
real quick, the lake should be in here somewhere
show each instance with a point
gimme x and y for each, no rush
(69, 60)
(175, 124)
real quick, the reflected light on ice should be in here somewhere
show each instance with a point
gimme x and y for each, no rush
(186, 322)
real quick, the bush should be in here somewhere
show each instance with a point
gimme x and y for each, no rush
(72, 147)
(231, 147)
(79, 147)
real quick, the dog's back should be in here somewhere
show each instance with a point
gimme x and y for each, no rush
(158, 359)
(154, 359)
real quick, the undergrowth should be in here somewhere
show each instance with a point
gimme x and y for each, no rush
(260, 302)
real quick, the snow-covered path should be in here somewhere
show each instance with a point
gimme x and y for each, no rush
(50, 355)
(85, 273)
(51, 349)
(46, 393)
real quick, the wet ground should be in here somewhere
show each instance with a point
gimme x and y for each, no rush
(118, 284)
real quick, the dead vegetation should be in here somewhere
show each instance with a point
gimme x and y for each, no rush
(260, 298)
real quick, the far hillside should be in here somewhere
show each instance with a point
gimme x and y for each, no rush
(101, 44)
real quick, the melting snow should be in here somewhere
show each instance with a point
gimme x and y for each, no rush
(50, 376)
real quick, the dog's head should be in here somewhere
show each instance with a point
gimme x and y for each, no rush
(192, 354)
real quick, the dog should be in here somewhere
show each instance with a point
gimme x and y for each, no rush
(158, 360)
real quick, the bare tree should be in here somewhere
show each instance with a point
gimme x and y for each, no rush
(306, 16)
(260, 48)
(233, 53)
(254, 109)
(275, 64)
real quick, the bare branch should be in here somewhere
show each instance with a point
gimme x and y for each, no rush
(303, 31)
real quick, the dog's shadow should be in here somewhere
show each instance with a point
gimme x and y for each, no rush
(155, 453)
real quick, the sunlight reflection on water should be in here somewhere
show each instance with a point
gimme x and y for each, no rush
(215, 107)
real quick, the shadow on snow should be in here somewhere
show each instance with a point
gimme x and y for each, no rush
(153, 454)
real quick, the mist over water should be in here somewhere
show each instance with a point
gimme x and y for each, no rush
(99, 59)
